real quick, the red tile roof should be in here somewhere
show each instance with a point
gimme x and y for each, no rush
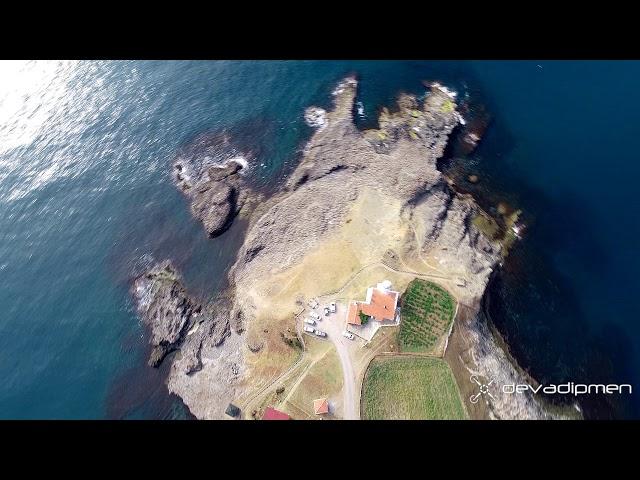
(382, 307)
(352, 314)
(272, 414)
(320, 406)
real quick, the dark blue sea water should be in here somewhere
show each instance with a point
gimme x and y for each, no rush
(86, 201)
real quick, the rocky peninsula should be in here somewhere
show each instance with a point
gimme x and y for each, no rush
(357, 199)
(217, 192)
(173, 316)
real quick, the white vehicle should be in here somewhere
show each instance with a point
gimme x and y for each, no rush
(315, 315)
(332, 307)
(321, 333)
(308, 329)
(309, 321)
(326, 311)
(349, 335)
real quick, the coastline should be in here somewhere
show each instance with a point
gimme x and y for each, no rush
(96, 206)
(420, 193)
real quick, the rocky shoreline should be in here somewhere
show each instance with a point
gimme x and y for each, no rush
(342, 173)
(172, 315)
(217, 195)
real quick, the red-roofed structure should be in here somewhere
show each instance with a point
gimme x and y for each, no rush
(380, 305)
(272, 414)
(320, 406)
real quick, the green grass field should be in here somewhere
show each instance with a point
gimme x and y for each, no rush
(405, 388)
(426, 314)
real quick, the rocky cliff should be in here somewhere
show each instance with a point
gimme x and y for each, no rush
(383, 185)
(217, 192)
(172, 316)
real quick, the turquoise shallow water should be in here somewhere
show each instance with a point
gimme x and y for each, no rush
(86, 201)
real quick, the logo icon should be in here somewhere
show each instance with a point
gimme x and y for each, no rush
(484, 389)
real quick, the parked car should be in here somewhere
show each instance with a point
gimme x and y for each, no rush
(308, 329)
(309, 321)
(315, 315)
(321, 333)
(332, 307)
(326, 311)
(349, 335)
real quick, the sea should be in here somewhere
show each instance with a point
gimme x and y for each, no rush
(87, 203)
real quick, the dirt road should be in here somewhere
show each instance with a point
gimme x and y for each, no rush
(334, 326)
(351, 399)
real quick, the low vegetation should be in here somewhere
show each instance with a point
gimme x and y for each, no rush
(322, 379)
(487, 226)
(500, 228)
(426, 314)
(291, 339)
(448, 106)
(410, 388)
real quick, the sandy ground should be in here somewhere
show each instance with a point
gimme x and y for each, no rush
(336, 263)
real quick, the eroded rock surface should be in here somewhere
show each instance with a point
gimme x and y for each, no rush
(399, 160)
(175, 319)
(217, 191)
(340, 166)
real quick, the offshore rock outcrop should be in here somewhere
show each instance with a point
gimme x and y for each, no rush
(171, 315)
(217, 191)
(339, 165)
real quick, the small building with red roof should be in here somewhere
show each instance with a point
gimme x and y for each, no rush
(271, 413)
(321, 406)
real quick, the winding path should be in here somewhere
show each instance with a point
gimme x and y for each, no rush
(334, 327)
(351, 396)
(384, 265)
(286, 373)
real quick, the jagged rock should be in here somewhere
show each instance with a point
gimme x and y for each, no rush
(340, 162)
(338, 165)
(217, 193)
(213, 204)
(165, 307)
(175, 319)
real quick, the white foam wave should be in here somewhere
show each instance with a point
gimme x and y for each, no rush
(447, 91)
(315, 117)
(240, 161)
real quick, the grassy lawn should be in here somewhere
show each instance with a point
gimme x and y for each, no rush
(405, 388)
(426, 315)
(323, 379)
